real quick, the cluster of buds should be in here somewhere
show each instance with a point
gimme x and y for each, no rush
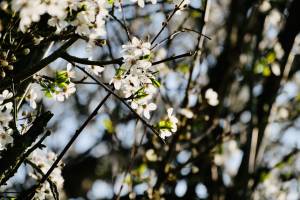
(6, 63)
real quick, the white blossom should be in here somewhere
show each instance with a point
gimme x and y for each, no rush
(141, 3)
(70, 72)
(5, 95)
(144, 108)
(170, 125)
(164, 133)
(44, 159)
(134, 78)
(135, 49)
(172, 119)
(89, 22)
(186, 112)
(5, 138)
(117, 82)
(230, 152)
(57, 8)
(65, 93)
(31, 98)
(5, 118)
(97, 70)
(29, 11)
(212, 97)
(5, 109)
(151, 155)
(59, 24)
(182, 4)
(130, 85)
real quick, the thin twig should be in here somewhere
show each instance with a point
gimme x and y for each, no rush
(66, 148)
(177, 7)
(174, 57)
(119, 61)
(199, 47)
(123, 101)
(25, 74)
(15, 117)
(176, 33)
(134, 153)
(123, 25)
(53, 187)
(86, 61)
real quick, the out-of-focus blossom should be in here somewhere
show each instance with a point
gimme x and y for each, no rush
(212, 97)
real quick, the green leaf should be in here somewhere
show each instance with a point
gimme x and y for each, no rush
(184, 68)
(108, 125)
(140, 93)
(156, 83)
(146, 57)
(271, 57)
(110, 2)
(120, 71)
(142, 168)
(195, 14)
(62, 85)
(266, 71)
(264, 176)
(44, 85)
(48, 94)
(128, 179)
(259, 67)
(164, 124)
(262, 68)
(61, 77)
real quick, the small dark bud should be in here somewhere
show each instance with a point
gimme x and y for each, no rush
(10, 67)
(13, 58)
(3, 54)
(4, 63)
(2, 74)
(26, 51)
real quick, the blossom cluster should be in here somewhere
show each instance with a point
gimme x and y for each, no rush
(182, 3)
(88, 17)
(212, 97)
(60, 87)
(5, 118)
(168, 126)
(134, 79)
(43, 160)
(6, 63)
(141, 3)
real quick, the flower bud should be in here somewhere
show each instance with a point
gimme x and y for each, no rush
(4, 63)
(4, 5)
(3, 54)
(26, 51)
(10, 67)
(2, 74)
(13, 58)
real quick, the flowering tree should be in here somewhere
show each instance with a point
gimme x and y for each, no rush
(148, 99)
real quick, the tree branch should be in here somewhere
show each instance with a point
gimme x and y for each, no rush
(31, 191)
(13, 156)
(25, 74)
